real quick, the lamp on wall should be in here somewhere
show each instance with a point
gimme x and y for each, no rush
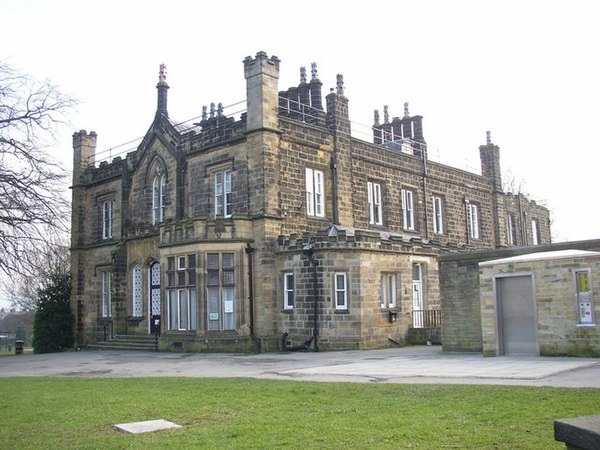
(393, 316)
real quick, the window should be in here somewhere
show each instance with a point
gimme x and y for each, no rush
(473, 221)
(341, 292)
(288, 290)
(408, 210)
(438, 220)
(220, 291)
(106, 295)
(535, 232)
(159, 188)
(314, 193)
(585, 303)
(136, 284)
(223, 193)
(181, 293)
(107, 220)
(375, 208)
(510, 229)
(388, 290)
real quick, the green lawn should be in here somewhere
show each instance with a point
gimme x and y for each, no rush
(61, 413)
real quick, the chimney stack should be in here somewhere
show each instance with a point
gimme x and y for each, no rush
(162, 88)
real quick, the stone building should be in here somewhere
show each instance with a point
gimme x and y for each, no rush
(267, 230)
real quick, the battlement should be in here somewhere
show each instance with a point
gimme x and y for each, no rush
(217, 128)
(338, 238)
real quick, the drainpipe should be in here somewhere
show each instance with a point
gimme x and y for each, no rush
(309, 252)
(250, 252)
(333, 167)
(523, 220)
(467, 222)
(426, 200)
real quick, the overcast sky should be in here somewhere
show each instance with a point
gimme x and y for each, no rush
(527, 71)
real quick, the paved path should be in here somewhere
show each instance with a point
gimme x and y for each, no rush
(402, 365)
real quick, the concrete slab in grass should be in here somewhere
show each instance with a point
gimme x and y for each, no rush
(146, 426)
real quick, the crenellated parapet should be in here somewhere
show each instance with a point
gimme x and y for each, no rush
(106, 170)
(339, 238)
(216, 128)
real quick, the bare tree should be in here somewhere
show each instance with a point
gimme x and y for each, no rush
(512, 185)
(34, 209)
(53, 258)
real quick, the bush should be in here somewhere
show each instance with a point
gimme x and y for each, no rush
(53, 321)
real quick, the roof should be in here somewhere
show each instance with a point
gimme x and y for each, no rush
(540, 256)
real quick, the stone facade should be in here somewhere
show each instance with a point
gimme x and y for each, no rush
(208, 228)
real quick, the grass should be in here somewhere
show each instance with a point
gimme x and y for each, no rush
(61, 413)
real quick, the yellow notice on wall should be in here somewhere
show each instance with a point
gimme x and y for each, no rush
(583, 283)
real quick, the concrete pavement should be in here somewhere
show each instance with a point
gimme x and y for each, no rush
(420, 364)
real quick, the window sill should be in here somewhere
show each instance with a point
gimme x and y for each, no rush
(341, 311)
(287, 311)
(180, 332)
(135, 318)
(586, 325)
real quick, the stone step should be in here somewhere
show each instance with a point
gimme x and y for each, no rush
(127, 342)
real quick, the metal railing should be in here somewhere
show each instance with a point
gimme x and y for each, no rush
(426, 318)
(107, 325)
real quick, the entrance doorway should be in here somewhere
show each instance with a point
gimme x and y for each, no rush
(517, 323)
(154, 298)
(417, 296)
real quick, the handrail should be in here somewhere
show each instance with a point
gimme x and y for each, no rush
(426, 318)
(108, 323)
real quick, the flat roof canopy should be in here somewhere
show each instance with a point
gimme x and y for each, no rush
(539, 256)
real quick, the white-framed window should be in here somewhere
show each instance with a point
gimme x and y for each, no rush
(181, 293)
(107, 219)
(220, 291)
(473, 221)
(375, 207)
(136, 291)
(583, 294)
(106, 306)
(288, 290)
(388, 290)
(159, 188)
(535, 232)
(340, 291)
(438, 215)
(223, 193)
(408, 209)
(314, 193)
(510, 229)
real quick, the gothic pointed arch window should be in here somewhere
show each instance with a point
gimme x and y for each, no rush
(159, 188)
(136, 282)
